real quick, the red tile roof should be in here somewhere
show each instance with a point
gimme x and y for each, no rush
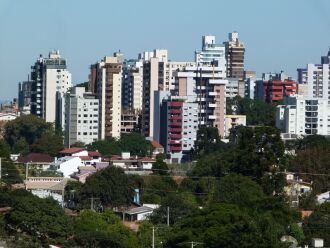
(155, 144)
(72, 150)
(35, 158)
(85, 158)
(94, 154)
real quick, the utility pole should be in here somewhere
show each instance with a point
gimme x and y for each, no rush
(168, 216)
(153, 237)
(0, 168)
(26, 170)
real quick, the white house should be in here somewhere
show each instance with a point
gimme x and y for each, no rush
(44, 187)
(128, 162)
(323, 197)
(140, 213)
(67, 165)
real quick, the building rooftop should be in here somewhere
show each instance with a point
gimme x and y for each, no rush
(72, 150)
(35, 158)
(155, 144)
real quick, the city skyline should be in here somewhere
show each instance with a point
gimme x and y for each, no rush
(33, 28)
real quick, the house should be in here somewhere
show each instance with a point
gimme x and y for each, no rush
(140, 213)
(157, 148)
(67, 165)
(296, 187)
(323, 197)
(83, 173)
(131, 163)
(88, 157)
(36, 160)
(44, 187)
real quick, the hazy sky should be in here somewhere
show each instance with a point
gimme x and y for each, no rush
(279, 34)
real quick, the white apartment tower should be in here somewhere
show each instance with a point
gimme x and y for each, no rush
(81, 117)
(304, 116)
(318, 78)
(51, 80)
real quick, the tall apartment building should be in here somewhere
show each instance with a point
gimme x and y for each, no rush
(275, 87)
(235, 50)
(304, 116)
(205, 85)
(51, 80)
(106, 83)
(132, 87)
(211, 53)
(178, 127)
(24, 94)
(158, 75)
(81, 117)
(249, 84)
(153, 80)
(318, 78)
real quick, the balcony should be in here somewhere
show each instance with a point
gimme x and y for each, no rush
(212, 105)
(212, 117)
(175, 149)
(175, 111)
(175, 104)
(175, 130)
(176, 124)
(212, 93)
(176, 117)
(175, 136)
(175, 143)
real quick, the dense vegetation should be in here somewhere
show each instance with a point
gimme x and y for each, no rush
(257, 112)
(29, 133)
(134, 143)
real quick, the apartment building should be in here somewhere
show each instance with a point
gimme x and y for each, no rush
(178, 127)
(235, 50)
(81, 117)
(275, 87)
(106, 82)
(50, 81)
(304, 116)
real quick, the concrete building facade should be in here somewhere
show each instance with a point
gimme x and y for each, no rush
(51, 80)
(235, 50)
(304, 116)
(81, 117)
(106, 83)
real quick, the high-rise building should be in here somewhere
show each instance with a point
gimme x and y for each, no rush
(81, 117)
(304, 116)
(249, 84)
(211, 53)
(178, 127)
(235, 50)
(106, 83)
(274, 87)
(51, 80)
(132, 88)
(318, 79)
(205, 85)
(153, 80)
(24, 95)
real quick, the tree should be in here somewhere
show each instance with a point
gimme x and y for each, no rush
(136, 144)
(257, 112)
(25, 131)
(179, 205)
(221, 225)
(208, 140)
(50, 143)
(42, 218)
(107, 147)
(111, 185)
(317, 225)
(103, 230)
(160, 167)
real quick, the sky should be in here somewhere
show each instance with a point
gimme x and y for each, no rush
(278, 34)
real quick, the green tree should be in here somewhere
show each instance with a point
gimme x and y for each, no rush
(160, 167)
(179, 205)
(136, 144)
(42, 218)
(50, 143)
(257, 112)
(208, 140)
(25, 131)
(111, 185)
(318, 225)
(107, 147)
(103, 230)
